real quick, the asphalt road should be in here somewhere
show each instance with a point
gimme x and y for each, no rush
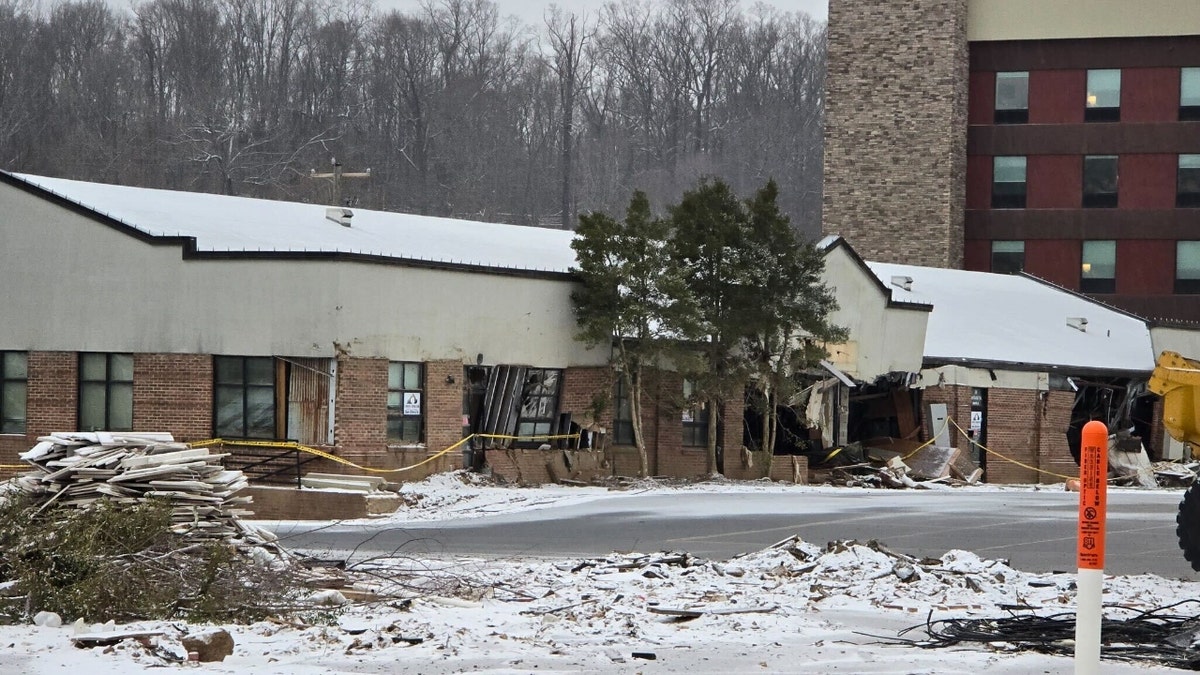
(1033, 530)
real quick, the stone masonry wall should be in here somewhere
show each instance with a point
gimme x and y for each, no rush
(896, 129)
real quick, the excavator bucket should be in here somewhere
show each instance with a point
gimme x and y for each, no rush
(1177, 379)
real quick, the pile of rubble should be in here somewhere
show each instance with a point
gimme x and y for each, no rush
(80, 469)
(898, 463)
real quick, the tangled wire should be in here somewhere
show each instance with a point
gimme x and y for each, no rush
(1155, 636)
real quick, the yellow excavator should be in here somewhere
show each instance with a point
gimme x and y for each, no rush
(1177, 380)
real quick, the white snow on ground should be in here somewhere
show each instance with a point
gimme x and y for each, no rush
(795, 608)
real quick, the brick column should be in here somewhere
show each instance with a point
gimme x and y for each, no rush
(53, 393)
(360, 409)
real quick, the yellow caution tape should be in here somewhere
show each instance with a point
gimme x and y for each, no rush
(1007, 459)
(334, 458)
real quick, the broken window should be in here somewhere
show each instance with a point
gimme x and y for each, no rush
(244, 396)
(14, 375)
(539, 402)
(105, 392)
(695, 418)
(405, 401)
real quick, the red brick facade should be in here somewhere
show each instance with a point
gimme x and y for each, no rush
(1022, 425)
(173, 393)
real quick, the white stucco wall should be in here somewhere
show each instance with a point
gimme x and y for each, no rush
(882, 339)
(1185, 341)
(74, 284)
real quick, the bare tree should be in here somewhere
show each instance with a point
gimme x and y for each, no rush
(569, 36)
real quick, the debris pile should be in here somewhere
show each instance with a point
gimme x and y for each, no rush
(79, 469)
(898, 463)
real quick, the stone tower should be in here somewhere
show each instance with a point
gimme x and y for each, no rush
(896, 129)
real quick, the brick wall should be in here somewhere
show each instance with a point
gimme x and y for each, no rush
(443, 405)
(588, 391)
(53, 393)
(360, 416)
(958, 406)
(173, 393)
(1022, 424)
(1054, 453)
(895, 129)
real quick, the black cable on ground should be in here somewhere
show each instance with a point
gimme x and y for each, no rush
(1161, 635)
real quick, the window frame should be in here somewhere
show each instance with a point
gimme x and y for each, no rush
(108, 386)
(395, 412)
(1093, 111)
(1189, 106)
(1188, 199)
(997, 245)
(1011, 115)
(693, 419)
(533, 394)
(1009, 199)
(622, 414)
(1090, 280)
(245, 388)
(1093, 199)
(1189, 283)
(16, 378)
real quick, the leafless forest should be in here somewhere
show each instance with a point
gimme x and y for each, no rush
(454, 108)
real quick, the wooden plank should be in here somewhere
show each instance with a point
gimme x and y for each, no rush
(905, 420)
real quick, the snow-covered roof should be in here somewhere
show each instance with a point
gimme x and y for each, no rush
(220, 223)
(1012, 319)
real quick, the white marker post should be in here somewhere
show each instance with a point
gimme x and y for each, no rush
(1093, 507)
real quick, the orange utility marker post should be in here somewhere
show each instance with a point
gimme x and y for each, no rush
(1093, 510)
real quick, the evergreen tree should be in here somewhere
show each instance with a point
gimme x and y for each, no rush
(631, 296)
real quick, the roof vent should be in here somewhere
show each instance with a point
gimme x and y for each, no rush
(902, 282)
(1079, 323)
(340, 216)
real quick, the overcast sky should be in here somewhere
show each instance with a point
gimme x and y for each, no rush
(530, 11)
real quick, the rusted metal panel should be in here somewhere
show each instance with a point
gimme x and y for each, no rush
(308, 400)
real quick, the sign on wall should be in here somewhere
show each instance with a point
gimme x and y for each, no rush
(412, 403)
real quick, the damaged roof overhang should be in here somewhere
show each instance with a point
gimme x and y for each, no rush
(1038, 368)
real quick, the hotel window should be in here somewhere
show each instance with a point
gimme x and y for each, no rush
(244, 396)
(1187, 267)
(1103, 96)
(1008, 257)
(1189, 94)
(14, 375)
(404, 401)
(695, 419)
(1008, 182)
(539, 404)
(1099, 268)
(1187, 182)
(1100, 181)
(623, 416)
(1012, 98)
(105, 392)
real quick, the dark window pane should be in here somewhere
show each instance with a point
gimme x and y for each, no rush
(229, 370)
(91, 406)
(93, 367)
(120, 407)
(1189, 113)
(260, 371)
(15, 365)
(1098, 285)
(1100, 181)
(260, 412)
(1187, 286)
(228, 408)
(1102, 115)
(1011, 117)
(12, 407)
(120, 368)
